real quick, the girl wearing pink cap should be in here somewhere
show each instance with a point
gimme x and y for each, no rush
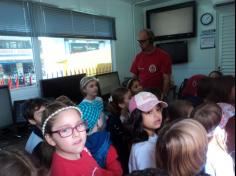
(145, 118)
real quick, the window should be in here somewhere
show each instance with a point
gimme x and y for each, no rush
(70, 42)
(16, 61)
(16, 55)
(63, 56)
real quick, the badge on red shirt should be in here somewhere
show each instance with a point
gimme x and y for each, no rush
(152, 68)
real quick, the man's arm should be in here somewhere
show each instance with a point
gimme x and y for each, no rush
(134, 68)
(166, 85)
(167, 70)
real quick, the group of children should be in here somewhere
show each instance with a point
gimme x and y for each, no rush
(136, 133)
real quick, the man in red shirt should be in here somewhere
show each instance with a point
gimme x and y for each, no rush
(152, 65)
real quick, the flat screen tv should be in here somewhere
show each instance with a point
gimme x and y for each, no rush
(178, 51)
(107, 83)
(6, 114)
(68, 86)
(173, 22)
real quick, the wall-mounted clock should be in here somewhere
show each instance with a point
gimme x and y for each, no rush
(206, 18)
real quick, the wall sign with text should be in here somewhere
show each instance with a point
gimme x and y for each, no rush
(207, 39)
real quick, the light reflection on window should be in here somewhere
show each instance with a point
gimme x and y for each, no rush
(62, 57)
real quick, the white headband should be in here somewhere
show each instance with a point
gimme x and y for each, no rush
(128, 83)
(56, 112)
(83, 84)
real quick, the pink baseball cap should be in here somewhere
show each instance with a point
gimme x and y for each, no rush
(144, 101)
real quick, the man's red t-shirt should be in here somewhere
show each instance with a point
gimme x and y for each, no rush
(151, 67)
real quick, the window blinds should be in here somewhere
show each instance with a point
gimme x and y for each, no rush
(227, 43)
(51, 21)
(14, 18)
(103, 27)
(27, 18)
(83, 25)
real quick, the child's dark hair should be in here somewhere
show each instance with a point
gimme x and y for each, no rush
(204, 87)
(208, 114)
(135, 128)
(32, 105)
(221, 89)
(16, 162)
(117, 98)
(44, 154)
(178, 109)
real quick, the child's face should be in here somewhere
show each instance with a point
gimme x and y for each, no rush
(127, 98)
(136, 87)
(37, 117)
(152, 120)
(69, 147)
(91, 89)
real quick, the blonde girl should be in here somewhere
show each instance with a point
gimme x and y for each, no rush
(181, 148)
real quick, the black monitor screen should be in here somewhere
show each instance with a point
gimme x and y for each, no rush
(173, 22)
(19, 111)
(68, 86)
(6, 116)
(108, 82)
(178, 51)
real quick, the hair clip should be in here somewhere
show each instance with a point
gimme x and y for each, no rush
(110, 99)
